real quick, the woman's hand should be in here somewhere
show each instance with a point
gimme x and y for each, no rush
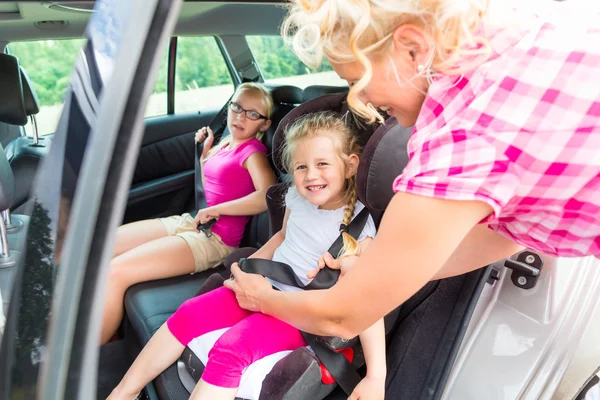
(248, 288)
(370, 388)
(201, 135)
(344, 264)
(206, 214)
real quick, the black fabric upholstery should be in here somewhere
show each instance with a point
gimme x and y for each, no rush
(286, 94)
(24, 159)
(7, 183)
(331, 102)
(312, 92)
(382, 160)
(12, 107)
(149, 304)
(30, 98)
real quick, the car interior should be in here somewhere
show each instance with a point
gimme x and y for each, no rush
(423, 335)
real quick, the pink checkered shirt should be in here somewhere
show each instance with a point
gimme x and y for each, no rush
(522, 134)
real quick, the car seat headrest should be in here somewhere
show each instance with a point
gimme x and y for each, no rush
(335, 102)
(312, 92)
(286, 94)
(12, 108)
(383, 158)
(332, 102)
(30, 98)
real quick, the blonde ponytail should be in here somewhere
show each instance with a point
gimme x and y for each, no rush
(351, 246)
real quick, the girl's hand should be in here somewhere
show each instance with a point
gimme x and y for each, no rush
(370, 388)
(248, 288)
(205, 215)
(201, 135)
(344, 264)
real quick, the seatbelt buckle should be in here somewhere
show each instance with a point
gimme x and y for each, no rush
(206, 227)
(326, 376)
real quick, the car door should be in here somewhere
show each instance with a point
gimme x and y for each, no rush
(49, 344)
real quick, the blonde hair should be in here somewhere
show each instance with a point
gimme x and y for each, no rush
(346, 31)
(267, 100)
(333, 125)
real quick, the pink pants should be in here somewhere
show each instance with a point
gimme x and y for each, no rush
(251, 336)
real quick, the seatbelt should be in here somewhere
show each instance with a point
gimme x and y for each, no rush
(215, 125)
(338, 366)
(283, 273)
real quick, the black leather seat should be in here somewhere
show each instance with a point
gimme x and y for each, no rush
(149, 304)
(22, 153)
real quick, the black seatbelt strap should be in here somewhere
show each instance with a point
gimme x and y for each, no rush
(338, 366)
(283, 273)
(216, 125)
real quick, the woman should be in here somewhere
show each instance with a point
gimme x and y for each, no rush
(504, 154)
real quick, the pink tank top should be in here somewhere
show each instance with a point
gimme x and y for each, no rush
(225, 179)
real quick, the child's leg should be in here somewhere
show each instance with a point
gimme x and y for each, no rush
(137, 233)
(161, 258)
(162, 350)
(248, 341)
(211, 311)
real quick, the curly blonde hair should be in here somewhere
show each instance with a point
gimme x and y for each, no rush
(333, 125)
(346, 31)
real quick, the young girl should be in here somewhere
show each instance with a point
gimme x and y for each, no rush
(321, 155)
(236, 174)
(504, 152)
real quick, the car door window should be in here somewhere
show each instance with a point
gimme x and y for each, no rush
(49, 64)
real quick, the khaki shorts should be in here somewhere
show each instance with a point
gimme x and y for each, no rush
(209, 252)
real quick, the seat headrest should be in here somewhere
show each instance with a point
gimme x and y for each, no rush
(286, 94)
(331, 102)
(12, 108)
(335, 102)
(312, 92)
(384, 158)
(29, 96)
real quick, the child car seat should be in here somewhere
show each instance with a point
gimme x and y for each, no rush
(295, 375)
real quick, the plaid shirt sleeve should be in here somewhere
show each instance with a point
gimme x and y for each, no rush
(458, 165)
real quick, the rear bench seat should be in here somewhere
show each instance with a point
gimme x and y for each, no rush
(149, 304)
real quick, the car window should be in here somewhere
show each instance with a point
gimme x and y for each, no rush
(202, 79)
(279, 64)
(49, 64)
(157, 102)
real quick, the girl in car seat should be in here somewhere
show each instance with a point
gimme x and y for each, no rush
(321, 154)
(504, 152)
(236, 174)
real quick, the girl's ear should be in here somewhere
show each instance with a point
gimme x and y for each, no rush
(352, 165)
(265, 125)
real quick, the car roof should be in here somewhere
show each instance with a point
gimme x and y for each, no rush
(68, 19)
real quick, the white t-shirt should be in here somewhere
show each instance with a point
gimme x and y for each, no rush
(309, 233)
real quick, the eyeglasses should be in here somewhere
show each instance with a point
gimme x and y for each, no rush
(250, 114)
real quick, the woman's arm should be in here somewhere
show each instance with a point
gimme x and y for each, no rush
(416, 239)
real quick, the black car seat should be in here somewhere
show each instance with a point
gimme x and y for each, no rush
(299, 374)
(23, 153)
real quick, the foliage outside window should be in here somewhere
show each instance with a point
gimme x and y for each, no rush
(279, 64)
(49, 64)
